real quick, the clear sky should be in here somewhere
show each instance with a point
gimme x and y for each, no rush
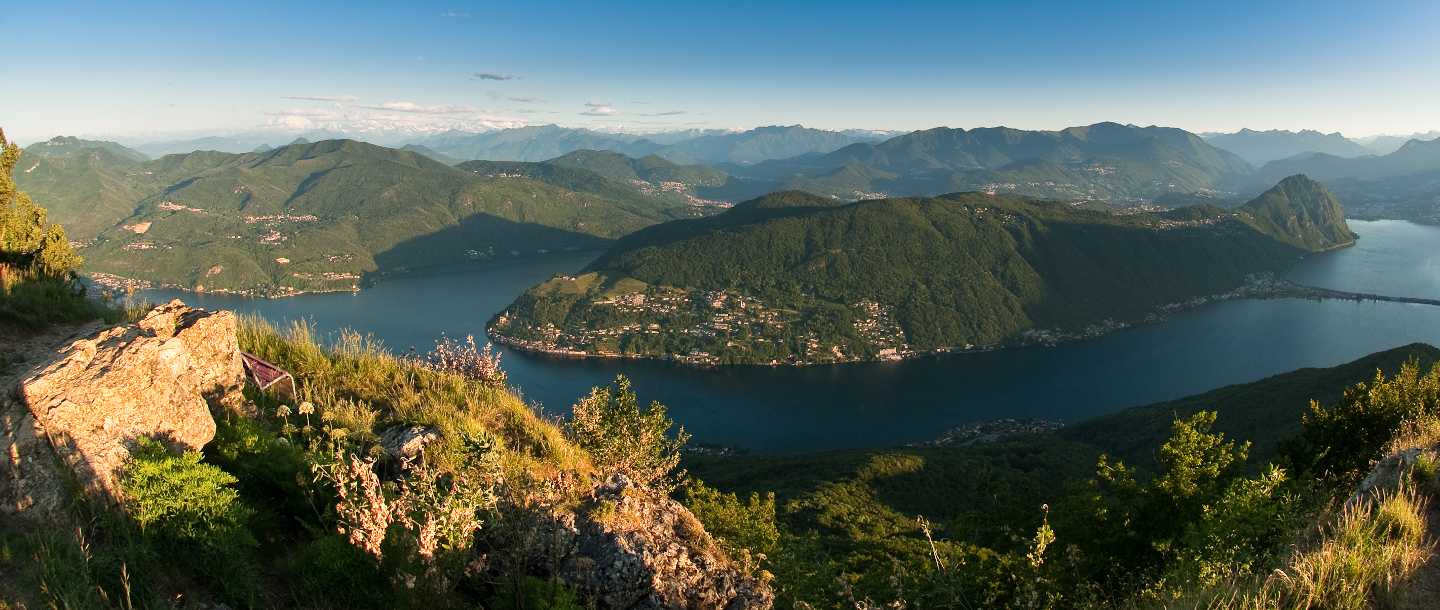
(151, 68)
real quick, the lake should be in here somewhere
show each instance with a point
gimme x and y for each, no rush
(780, 409)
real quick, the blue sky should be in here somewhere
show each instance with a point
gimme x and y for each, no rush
(395, 67)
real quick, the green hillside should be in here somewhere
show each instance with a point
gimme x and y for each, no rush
(1262, 412)
(793, 277)
(1300, 212)
(87, 191)
(309, 216)
(645, 182)
(61, 146)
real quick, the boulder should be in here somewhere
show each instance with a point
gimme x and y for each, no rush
(157, 378)
(635, 548)
(406, 442)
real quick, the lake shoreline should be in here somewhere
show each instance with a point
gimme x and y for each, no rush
(1260, 286)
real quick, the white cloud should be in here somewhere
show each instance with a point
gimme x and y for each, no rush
(456, 15)
(528, 100)
(432, 109)
(493, 76)
(321, 98)
(601, 111)
(597, 104)
(302, 112)
(291, 122)
(365, 121)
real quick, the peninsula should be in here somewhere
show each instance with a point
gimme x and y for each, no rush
(794, 278)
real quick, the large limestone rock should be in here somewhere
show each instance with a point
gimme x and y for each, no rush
(633, 548)
(157, 378)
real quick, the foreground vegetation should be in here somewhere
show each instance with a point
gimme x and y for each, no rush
(1045, 522)
(38, 281)
(298, 504)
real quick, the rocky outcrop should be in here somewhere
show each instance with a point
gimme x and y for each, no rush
(634, 548)
(406, 442)
(157, 378)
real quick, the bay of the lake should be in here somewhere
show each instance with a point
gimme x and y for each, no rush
(779, 409)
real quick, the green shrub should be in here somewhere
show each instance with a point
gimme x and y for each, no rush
(746, 531)
(192, 510)
(623, 438)
(173, 494)
(1340, 441)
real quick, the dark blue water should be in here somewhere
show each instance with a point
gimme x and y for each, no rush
(776, 409)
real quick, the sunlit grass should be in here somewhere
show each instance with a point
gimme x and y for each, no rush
(359, 387)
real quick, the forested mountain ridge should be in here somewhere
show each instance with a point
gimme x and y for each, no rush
(61, 146)
(794, 277)
(1102, 161)
(310, 216)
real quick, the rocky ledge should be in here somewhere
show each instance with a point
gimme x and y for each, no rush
(88, 402)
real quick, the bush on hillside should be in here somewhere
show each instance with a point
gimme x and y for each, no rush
(1340, 441)
(622, 438)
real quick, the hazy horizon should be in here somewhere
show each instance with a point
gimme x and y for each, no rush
(174, 70)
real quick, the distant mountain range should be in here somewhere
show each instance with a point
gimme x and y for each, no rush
(1386, 144)
(310, 216)
(539, 143)
(1105, 161)
(1261, 147)
(793, 277)
(174, 147)
(1404, 184)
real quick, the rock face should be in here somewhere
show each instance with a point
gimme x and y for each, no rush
(157, 378)
(634, 548)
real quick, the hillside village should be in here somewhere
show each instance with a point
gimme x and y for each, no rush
(633, 320)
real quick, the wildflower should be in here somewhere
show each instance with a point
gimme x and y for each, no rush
(306, 408)
(283, 441)
(282, 412)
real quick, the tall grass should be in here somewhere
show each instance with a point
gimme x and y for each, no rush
(359, 387)
(1362, 559)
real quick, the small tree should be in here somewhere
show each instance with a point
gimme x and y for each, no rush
(624, 439)
(27, 242)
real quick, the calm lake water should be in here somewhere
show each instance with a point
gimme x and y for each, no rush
(779, 409)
